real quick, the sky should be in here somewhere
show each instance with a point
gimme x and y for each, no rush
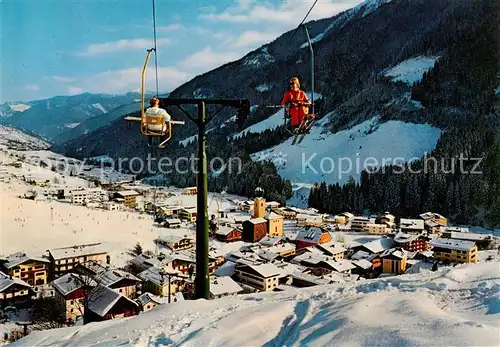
(67, 47)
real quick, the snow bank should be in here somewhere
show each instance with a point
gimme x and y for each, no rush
(430, 309)
(334, 157)
(411, 70)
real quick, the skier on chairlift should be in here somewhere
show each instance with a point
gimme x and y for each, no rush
(298, 104)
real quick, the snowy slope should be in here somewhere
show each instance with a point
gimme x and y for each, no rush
(411, 70)
(452, 306)
(20, 107)
(100, 107)
(333, 157)
(10, 135)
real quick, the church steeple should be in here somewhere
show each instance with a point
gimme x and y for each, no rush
(259, 205)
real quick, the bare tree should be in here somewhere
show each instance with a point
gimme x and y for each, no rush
(44, 316)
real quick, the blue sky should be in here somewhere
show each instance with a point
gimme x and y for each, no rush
(66, 47)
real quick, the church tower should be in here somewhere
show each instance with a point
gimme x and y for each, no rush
(259, 205)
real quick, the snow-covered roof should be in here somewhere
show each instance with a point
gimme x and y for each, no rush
(310, 235)
(457, 229)
(173, 221)
(257, 220)
(110, 277)
(362, 263)
(147, 297)
(18, 258)
(457, 245)
(470, 236)
(331, 247)
(6, 282)
(70, 282)
(430, 215)
(395, 252)
(226, 269)
(404, 238)
(78, 251)
(273, 215)
(224, 285)
(360, 255)
(341, 265)
(265, 270)
(379, 245)
(153, 275)
(414, 224)
(224, 230)
(171, 239)
(143, 260)
(270, 241)
(125, 193)
(101, 299)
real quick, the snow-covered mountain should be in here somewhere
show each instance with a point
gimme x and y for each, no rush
(52, 117)
(453, 305)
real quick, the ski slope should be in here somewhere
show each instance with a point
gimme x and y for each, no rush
(334, 157)
(411, 70)
(453, 306)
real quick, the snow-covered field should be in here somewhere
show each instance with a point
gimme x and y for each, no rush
(450, 307)
(51, 224)
(334, 157)
(411, 70)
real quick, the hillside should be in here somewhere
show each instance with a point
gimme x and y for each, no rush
(454, 305)
(60, 115)
(15, 139)
(415, 66)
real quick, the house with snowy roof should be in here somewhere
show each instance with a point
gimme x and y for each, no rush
(69, 292)
(311, 236)
(394, 260)
(62, 260)
(411, 225)
(254, 229)
(13, 291)
(482, 241)
(176, 242)
(321, 264)
(223, 286)
(32, 270)
(120, 281)
(148, 301)
(156, 281)
(227, 233)
(104, 303)
(263, 277)
(376, 246)
(412, 242)
(454, 250)
(333, 249)
(434, 217)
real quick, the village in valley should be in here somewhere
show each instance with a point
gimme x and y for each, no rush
(100, 245)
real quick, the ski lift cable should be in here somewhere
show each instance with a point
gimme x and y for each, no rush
(303, 20)
(155, 49)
